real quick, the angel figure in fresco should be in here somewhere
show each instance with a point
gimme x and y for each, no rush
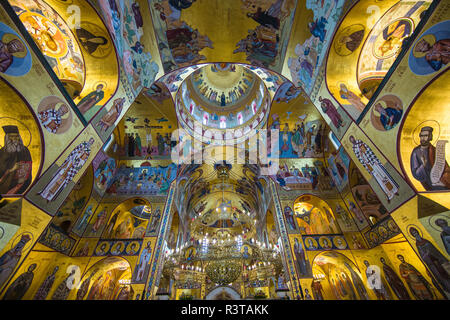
(15, 163)
(394, 281)
(91, 99)
(331, 111)
(112, 115)
(51, 119)
(67, 171)
(423, 159)
(20, 286)
(373, 165)
(436, 54)
(436, 262)
(419, 286)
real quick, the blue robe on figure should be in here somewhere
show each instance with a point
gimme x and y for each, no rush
(317, 28)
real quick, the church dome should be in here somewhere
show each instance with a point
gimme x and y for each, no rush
(222, 96)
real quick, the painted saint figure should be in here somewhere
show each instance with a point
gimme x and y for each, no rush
(51, 119)
(46, 286)
(302, 263)
(379, 288)
(63, 290)
(143, 261)
(91, 99)
(81, 224)
(90, 42)
(81, 293)
(289, 215)
(433, 259)
(373, 165)
(8, 50)
(394, 281)
(423, 159)
(15, 163)
(331, 111)
(10, 259)
(389, 117)
(436, 54)
(445, 234)
(351, 97)
(20, 286)
(418, 285)
(357, 282)
(112, 115)
(67, 171)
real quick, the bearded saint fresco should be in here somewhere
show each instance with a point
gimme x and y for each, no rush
(8, 50)
(373, 165)
(423, 160)
(51, 119)
(67, 171)
(15, 163)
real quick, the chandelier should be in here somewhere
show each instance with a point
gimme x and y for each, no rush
(223, 272)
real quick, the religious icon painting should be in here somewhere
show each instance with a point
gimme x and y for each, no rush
(73, 163)
(15, 56)
(246, 252)
(428, 162)
(91, 103)
(433, 258)
(373, 238)
(54, 38)
(11, 258)
(102, 248)
(54, 115)
(311, 243)
(437, 227)
(16, 155)
(19, 287)
(133, 248)
(387, 112)
(392, 226)
(349, 39)
(389, 186)
(93, 40)
(107, 119)
(190, 253)
(430, 52)
(60, 178)
(340, 242)
(389, 42)
(118, 248)
(325, 243)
